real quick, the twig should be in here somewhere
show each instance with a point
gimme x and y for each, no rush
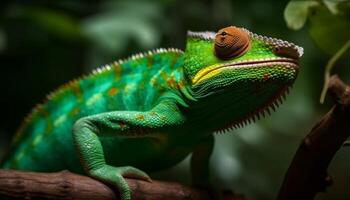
(65, 185)
(329, 67)
(307, 174)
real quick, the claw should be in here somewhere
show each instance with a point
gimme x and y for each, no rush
(116, 175)
(131, 172)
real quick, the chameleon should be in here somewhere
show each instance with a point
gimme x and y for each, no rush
(150, 111)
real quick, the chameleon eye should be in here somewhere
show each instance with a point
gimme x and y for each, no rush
(231, 42)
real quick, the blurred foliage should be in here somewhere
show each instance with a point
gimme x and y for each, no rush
(57, 23)
(110, 30)
(329, 27)
(329, 19)
(45, 43)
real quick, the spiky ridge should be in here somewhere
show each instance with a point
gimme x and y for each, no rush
(277, 42)
(208, 35)
(109, 67)
(272, 104)
(63, 88)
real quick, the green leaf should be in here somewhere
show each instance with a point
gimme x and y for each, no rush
(330, 32)
(296, 13)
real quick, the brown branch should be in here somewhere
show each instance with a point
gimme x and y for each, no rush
(65, 185)
(307, 174)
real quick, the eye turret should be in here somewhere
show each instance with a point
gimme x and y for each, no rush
(231, 42)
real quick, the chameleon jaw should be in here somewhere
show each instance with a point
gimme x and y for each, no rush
(271, 105)
(213, 70)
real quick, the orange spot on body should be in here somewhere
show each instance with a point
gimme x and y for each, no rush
(74, 112)
(41, 110)
(181, 84)
(150, 61)
(140, 117)
(171, 82)
(173, 63)
(113, 91)
(153, 113)
(75, 86)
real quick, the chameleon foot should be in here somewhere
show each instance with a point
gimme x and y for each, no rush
(116, 175)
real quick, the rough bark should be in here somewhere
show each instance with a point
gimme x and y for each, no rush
(307, 174)
(65, 185)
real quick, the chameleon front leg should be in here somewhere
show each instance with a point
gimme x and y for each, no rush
(87, 130)
(200, 162)
(200, 167)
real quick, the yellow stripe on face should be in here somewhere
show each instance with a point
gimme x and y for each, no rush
(206, 73)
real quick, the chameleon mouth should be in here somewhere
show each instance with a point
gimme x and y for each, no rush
(266, 109)
(288, 62)
(207, 73)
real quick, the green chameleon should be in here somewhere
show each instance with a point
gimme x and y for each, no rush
(150, 111)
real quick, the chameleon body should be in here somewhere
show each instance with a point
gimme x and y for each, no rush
(150, 111)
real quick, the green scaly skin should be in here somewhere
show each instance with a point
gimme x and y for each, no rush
(150, 111)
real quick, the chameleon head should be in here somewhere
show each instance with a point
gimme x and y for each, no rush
(244, 73)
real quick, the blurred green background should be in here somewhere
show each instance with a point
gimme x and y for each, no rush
(45, 43)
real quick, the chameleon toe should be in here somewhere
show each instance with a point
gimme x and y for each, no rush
(132, 172)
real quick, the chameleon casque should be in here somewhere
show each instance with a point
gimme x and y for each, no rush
(150, 111)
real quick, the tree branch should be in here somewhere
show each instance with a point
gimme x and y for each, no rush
(65, 185)
(307, 174)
